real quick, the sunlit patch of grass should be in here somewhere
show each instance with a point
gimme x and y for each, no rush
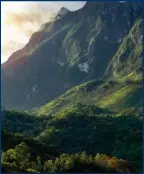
(122, 98)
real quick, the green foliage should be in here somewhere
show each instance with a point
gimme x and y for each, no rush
(85, 128)
(21, 122)
(127, 62)
(20, 159)
(93, 127)
(10, 140)
(71, 45)
(112, 94)
(17, 157)
(123, 98)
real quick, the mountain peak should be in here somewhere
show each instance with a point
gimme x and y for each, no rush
(62, 12)
(76, 46)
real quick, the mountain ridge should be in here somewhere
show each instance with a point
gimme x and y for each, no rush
(66, 53)
(77, 94)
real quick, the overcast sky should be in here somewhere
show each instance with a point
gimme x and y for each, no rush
(20, 19)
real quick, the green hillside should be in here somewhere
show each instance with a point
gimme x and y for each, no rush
(79, 89)
(127, 62)
(84, 128)
(121, 86)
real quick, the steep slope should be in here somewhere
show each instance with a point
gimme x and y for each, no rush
(74, 123)
(127, 62)
(73, 48)
(121, 86)
(126, 65)
(114, 95)
(102, 115)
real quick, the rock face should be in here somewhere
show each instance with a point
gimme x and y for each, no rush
(128, 59)
(63, 11)
(74, 48)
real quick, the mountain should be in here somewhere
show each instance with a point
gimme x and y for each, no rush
(73, 48)
(127, 62)
(120, 87)
(79, 81)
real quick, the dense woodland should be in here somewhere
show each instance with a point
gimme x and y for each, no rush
(102, 142)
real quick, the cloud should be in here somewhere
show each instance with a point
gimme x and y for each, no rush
(25, 23)
(21, 19)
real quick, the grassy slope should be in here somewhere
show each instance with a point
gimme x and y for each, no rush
(112, 94)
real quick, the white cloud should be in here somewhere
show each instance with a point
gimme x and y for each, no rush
(20, 19)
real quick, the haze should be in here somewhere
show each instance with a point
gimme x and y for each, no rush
(20, 19)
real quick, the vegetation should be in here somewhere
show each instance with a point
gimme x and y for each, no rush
(81, 128)
(127, 62)
(96, 124)
(20, 159)
(92, 36)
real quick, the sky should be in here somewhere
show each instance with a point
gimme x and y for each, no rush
(19, 19)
